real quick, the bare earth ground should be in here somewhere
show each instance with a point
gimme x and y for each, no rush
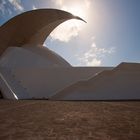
(61, 120)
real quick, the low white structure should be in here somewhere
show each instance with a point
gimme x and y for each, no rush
(36, 72)
(30, 71)
(120, 83)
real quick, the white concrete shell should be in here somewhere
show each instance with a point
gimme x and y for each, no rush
(120, 83)
(32, 27)
(30, 71)
(31, 75)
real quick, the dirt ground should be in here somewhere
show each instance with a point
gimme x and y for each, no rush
(61, 120)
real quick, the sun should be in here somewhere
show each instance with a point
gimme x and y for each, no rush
(77, 10)
(72, 27)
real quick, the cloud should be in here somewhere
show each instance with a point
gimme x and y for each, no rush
(2, 6)
(94, 55)
(59, 2)
(94, 62)
(17, 5)
(34, 7)
(66, 31)
(8, 6)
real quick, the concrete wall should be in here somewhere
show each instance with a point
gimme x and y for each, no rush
(45, 82)
(121, 83)
(11, 88)
(37, 72)
(15, 57)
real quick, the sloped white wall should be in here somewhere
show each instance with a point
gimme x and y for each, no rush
(37, 72)
(11, 88)
(122, 83)
(45, 82)
(15, 57)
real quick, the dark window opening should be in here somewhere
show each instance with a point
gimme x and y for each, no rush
(1, 95)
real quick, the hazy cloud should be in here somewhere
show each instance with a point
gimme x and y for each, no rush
(17, 5)
(2, 6)
(93, 62)
(93, 55)
(34, 7)
(65, 31)
(8, 6)
(71, 28)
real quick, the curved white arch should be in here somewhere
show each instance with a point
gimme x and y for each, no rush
(31, 27)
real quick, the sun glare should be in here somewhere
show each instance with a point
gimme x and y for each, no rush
(77, 11)
(72, 27)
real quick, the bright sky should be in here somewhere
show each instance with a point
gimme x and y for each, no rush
(110, 36)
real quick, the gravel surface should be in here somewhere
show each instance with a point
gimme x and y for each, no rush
(71, 120)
